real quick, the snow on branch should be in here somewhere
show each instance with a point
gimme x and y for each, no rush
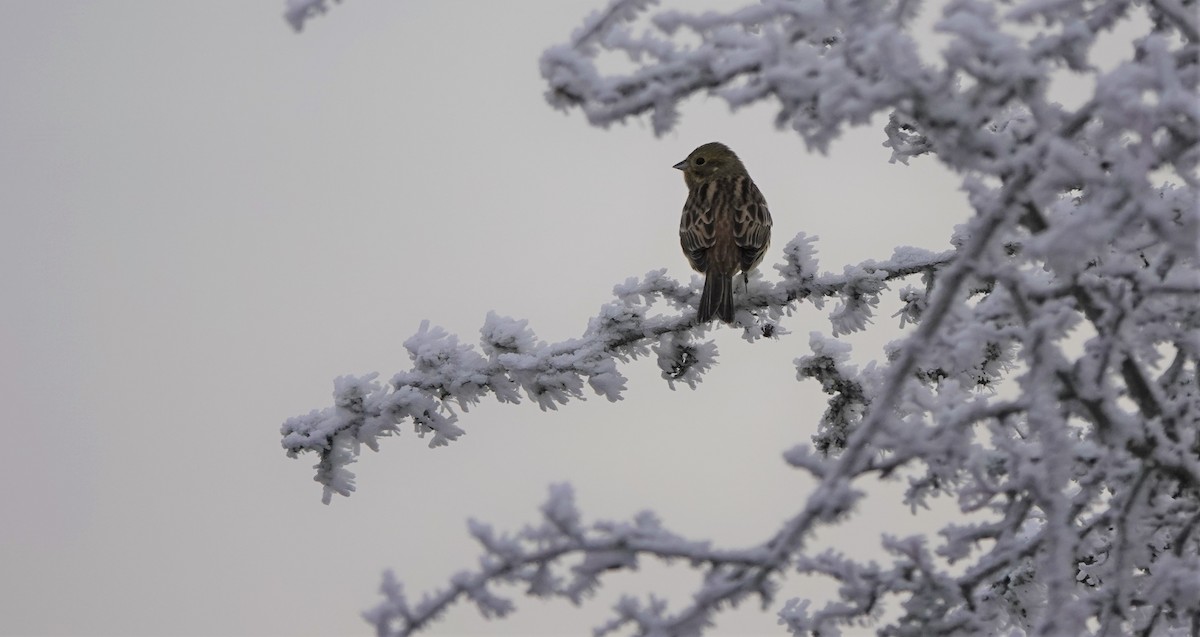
(512, 363)
(1050, 383)
(535, 559)
(1048, 386)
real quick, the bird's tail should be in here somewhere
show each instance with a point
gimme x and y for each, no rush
(717, 299)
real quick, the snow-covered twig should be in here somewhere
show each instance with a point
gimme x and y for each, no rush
(1050, 383)
(446, 373)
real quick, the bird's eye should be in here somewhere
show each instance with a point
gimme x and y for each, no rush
(699, 161)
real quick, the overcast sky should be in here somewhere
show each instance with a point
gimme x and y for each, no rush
(205, 218)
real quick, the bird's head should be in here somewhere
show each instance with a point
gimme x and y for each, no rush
(711, 160)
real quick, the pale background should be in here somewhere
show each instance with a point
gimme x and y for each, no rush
(205, 217)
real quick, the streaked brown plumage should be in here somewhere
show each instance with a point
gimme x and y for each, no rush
(725, 226)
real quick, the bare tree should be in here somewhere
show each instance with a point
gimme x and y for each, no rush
(1074, 287)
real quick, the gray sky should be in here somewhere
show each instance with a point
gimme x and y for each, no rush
(206, 218)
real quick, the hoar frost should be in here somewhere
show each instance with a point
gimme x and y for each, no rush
(1047, 382)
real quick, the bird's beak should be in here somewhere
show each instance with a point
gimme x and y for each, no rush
(681, 165)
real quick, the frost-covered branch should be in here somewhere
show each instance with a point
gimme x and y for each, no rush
(1049, 386)
(448, 376)
(561, 557)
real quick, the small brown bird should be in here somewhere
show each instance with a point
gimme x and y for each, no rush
(725, 225)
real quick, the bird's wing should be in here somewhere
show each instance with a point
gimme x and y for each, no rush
(751, 222)
(696, 228)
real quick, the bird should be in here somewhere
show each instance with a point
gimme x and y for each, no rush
(725, 226)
